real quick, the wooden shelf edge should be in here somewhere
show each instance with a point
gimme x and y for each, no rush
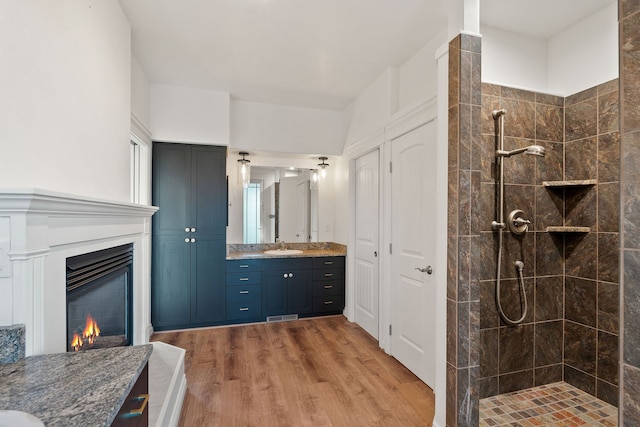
(564, 229)
(572, 183)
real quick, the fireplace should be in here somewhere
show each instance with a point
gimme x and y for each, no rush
(99, 299)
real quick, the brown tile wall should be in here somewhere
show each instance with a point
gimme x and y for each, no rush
(463, 296)
(630, 213)
(570, 330)
(515, 358)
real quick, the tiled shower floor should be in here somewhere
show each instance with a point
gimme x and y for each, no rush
(557, 404)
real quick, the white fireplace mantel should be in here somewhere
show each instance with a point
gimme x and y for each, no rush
(39, 230)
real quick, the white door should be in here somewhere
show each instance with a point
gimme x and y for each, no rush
(366, 255)
(302, 210)
(413, 292)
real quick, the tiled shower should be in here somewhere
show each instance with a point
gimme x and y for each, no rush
(571, 330)
(571, 275)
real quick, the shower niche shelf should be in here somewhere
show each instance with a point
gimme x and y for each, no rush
(568, 229)
(577, 184)
(569, 184)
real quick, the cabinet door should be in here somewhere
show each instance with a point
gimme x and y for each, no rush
(208, 296)
(171, 189)
(170, 282)
(300, 292)
(274, 293)
(209, 190)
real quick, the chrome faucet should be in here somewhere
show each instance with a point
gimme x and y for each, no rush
(281, 244)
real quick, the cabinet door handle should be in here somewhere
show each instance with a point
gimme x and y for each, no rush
(285, 275)
(193, 229)
(328, 274)
(328, 263)
(187, 240)
(193, 240)
(244, 292)
(328, 302)
(328, 286)
(244, 308)
(290, 274)
(140, 410)
(244, 279)
(187, 229)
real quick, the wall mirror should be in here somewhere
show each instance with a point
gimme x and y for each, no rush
(280, 201)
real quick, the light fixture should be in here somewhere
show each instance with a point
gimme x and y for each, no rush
(323, 167)
(244, 170)
(313, 182)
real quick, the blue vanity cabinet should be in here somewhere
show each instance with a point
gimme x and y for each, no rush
(328, 285)
(244, 291)
(287, 286)
(188, 236)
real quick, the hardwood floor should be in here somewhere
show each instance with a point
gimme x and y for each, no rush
(312, 372)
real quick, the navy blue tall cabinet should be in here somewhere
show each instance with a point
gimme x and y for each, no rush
(188, 236)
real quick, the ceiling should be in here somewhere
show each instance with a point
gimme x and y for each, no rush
(309, 53)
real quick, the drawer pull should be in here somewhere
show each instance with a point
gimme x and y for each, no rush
(328, 286)
(140, 410)
(328, 274)
(328, 302)
(328, 263)
(244, 292)
(244, 308)
(244, 279)
(244, 266)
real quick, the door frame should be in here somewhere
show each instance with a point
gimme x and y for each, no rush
(397, 126)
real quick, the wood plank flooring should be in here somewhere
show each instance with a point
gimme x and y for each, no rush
(313, 372)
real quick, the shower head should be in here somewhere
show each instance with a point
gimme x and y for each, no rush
(536, 150)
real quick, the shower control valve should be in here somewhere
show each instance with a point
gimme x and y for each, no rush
(517, 223)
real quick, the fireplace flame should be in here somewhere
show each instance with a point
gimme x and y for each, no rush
(89, 334)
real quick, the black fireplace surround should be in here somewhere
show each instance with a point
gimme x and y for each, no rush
(100, 285)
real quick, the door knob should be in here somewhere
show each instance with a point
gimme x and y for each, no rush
(193, 240)
(428, 269)
(193, 229)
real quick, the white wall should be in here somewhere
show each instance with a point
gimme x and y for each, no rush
(140, 94)
(65, 104)
(586, 54)
(417, 77)
(195, 116)
(282, 128)
(514, 60)
(580, 57)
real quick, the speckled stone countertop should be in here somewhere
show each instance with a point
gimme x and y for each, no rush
(73, 389)
(249, 251)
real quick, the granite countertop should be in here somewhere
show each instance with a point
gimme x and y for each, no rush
(305, 253)
(73, 389)
(312, 249)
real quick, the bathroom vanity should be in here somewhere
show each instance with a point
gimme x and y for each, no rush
(277, 284)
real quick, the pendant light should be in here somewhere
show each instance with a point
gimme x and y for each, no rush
(323, 167)
(244, 172)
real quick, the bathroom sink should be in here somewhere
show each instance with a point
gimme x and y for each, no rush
(19, 419)
(284, 252)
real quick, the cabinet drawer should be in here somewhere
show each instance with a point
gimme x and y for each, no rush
(244, 310)
(328, 287)
(328, 274)
(287, 264)
(242, 265)
(244, 293)
(129, 414)
(327, 304)
(329, 262)
(248, 278)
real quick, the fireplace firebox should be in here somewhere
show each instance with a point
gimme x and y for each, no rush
(99, 299)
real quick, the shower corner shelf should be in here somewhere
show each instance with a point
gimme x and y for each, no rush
(568, 229)
(570, 183)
